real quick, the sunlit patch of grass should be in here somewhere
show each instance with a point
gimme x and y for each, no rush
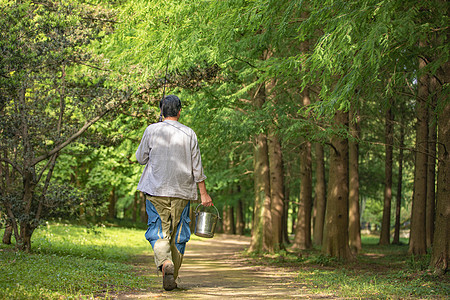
(98, 242)
(377, 272)
(369, 284)
(69, 261)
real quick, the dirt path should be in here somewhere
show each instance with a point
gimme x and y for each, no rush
(212, 270)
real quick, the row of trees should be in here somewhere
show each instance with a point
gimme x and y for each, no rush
(296, 103)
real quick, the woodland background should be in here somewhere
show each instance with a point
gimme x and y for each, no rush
(316, 119)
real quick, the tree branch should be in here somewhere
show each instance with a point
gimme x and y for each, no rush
(78, 133)
(12, 164)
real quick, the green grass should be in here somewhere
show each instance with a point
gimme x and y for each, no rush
(75, 262)
(378, 272)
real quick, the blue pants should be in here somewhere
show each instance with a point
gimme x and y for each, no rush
(168, 229)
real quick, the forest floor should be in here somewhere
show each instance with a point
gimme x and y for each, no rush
(215, 269)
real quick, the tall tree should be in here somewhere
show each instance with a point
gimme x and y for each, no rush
(441, 242)
(240, 222)
(335, 241)
(354, 226)
(320, 192)
(431, 165)
(389, 140)
(276, 170)
(262, 221)
(398, 203)
(276, 190)
(417, 242)
(302, 239)
(228, 219)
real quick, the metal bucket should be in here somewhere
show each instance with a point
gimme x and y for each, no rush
(205, 223)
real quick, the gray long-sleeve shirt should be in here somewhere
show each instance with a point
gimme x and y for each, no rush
(169, 150)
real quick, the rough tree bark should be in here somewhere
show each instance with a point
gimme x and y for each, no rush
(398, 205)
(417, 241)
(7, 234)
(302, 239)
(261, 230)
(441, 242)
(276, 173)
(389, 140)
(431, 167)
(262, 221)
(228, 219)
(335, 242)
(354, 228)
(240, 222)
(321, 192)
(276, 190)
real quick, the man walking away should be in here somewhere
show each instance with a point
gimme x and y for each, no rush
(173, 170)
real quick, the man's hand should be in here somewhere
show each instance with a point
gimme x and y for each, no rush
(206, 200)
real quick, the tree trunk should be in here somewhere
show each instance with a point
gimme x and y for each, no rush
(417, 241)
(262, 219)
(398, 206)
(240, 222)
(261, 231)
(8, 233)
(302, 239)
(354, 228)
(135, 206)
(431, 176)
(142, 211)
(6, 178)
(294, 217)
(276, 190)
(112, 204)
(441, 242)
(26, 231)
(389, 138)
(335, 242)
(320, 191)
(228, 219)
(27, 224)
(285, 232)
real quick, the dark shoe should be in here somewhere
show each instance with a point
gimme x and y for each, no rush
(168, 279)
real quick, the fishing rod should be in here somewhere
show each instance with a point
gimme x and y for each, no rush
(164, 86)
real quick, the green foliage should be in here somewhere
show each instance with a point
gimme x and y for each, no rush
(70, 261)
(324, 260)
(219, 53)
(367, 43)
(53, 88)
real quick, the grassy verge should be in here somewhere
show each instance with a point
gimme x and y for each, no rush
(75, 262)
(378, 272)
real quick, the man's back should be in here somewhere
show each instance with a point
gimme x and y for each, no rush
(172, 155)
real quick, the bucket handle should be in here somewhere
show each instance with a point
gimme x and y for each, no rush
(218, 216)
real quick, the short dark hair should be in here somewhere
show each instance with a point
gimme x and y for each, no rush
(170, 105)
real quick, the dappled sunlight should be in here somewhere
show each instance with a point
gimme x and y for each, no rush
(211, 270)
